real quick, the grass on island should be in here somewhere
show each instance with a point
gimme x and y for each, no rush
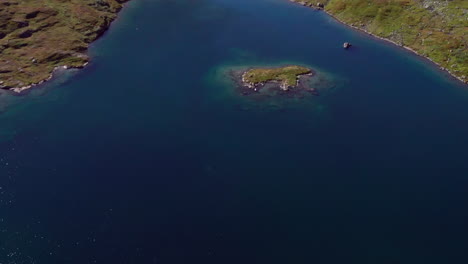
(437, 29)
(286, 75)
(37, 36)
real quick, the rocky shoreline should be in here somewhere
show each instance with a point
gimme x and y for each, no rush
(56, 55)
(321, 8)
(51, 76)
(272, 87)
(282, 85)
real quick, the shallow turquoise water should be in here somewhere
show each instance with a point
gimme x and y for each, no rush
(150, 156)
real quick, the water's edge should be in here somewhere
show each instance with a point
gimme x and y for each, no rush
(66, 67)
(432, 62)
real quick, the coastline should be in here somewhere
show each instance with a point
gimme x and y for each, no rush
(19, 90)
(270, 88)
(315, 83)
(283, 85)
(445, 70)
(65, 67)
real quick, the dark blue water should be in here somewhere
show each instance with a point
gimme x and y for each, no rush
(150, 156)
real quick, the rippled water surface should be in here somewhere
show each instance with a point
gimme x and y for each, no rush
(150, 154)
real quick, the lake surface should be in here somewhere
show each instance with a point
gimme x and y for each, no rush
(149, 155)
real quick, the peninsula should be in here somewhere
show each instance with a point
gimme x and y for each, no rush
(435, 29)
(36, 37)
(287, 76)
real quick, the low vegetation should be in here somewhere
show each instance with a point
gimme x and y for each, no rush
(287, 76)
(37, 36)
(437, 29)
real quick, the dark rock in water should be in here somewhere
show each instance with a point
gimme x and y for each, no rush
(346, 45)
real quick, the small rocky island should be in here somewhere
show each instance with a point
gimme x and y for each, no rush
(287, 76)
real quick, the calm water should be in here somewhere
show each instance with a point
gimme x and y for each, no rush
(150, 156)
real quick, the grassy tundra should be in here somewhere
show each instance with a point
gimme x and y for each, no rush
(37, 36)
(436, 29)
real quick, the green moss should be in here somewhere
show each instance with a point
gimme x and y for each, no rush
(286, 75)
